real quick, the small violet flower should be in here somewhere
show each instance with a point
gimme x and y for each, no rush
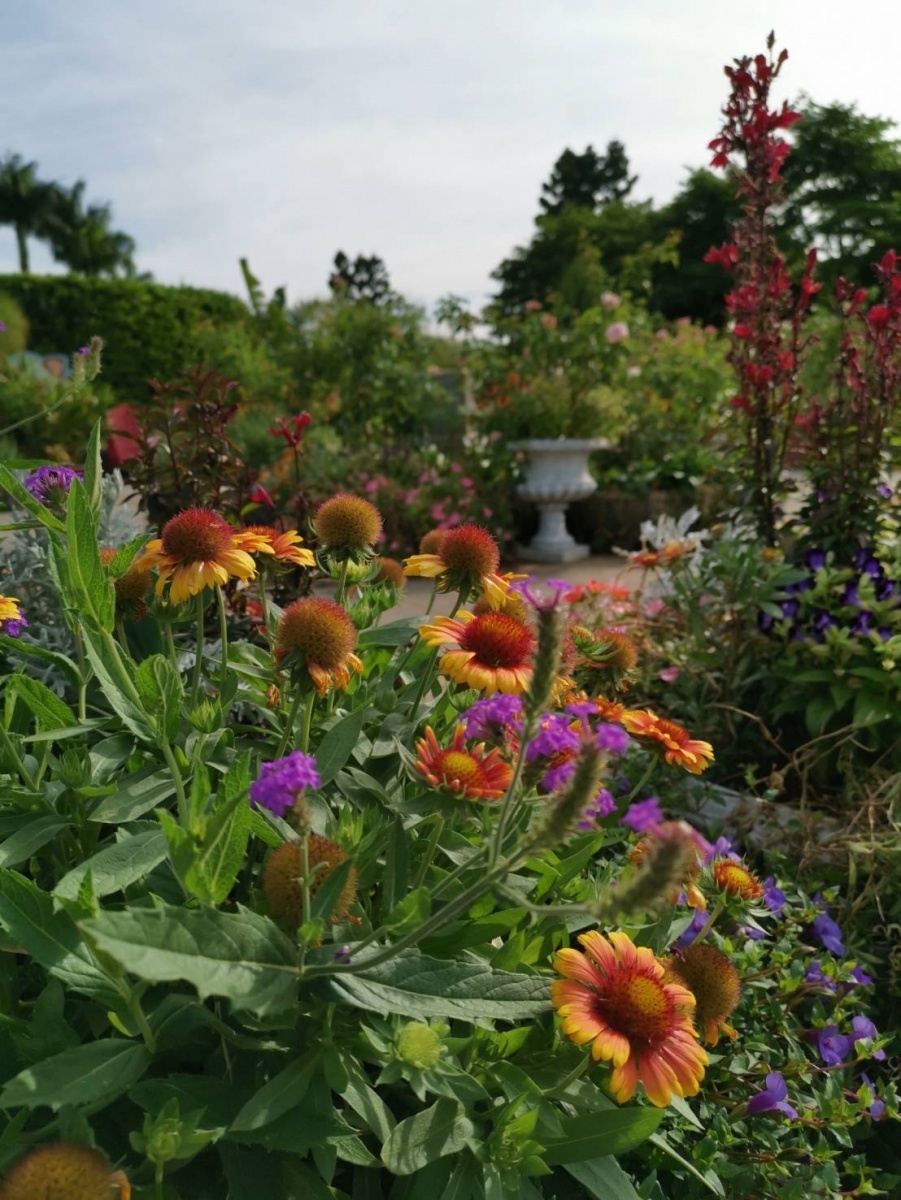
(51, 485)
(833, 1047)
(695, 928)
(814, 975)
(864, 1028)
(828, 933)
(643, 815)
(282, 781)
(773, 897)
(601, 806)
(877, 1108)
(554, 736)
(774, 1097)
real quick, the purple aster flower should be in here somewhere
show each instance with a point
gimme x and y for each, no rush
(491, 717)
(877, 1108)
(13, 626)
(601, 806)
(643, 815)
(723, 847)
(860, 976)
(773, 897)
(281, 782)
(554, 736)
(829, 934)
(814, 975)
(864, 1028)
(696, 926)
(612, 738)
(51, 485)
(833, 1047)
(774, 1097)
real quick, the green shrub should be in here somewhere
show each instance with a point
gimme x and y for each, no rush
(14, 335)
(150, 330)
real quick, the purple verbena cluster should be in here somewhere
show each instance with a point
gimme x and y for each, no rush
(282, 781)
(51, 485)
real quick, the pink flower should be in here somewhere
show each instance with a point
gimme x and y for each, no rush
(610, 300)
(669, 674)
(437, 512)
(617, 332)
(549, 321)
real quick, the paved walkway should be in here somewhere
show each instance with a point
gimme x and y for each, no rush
(605, 567)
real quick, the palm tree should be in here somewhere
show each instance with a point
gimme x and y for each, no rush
(25, 202)
(82, 238)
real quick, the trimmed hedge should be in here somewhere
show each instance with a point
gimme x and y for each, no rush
(149, 329)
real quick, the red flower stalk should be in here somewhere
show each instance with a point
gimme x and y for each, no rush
(292, 428)
(767, 339)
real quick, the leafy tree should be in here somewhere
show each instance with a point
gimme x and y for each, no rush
(366, 278)
(25, 203)
(83, 239)
(843, 182)
(587, 180)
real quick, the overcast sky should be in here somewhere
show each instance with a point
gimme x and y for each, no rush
(419, 130)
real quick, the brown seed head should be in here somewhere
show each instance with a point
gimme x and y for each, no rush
(319, 629)
(63, 1171)
(282, 877)
(347, 523)
(196, 535)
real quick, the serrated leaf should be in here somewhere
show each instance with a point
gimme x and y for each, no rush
(93, 471)
(413, 985)
(338, 744)
(137, 794)
(20, 846)
(116, 867)
(160, 688)
(81, 1076)
(88, 578)
(49, 711)
(51, 938)
(431, 1134)
(241, 956)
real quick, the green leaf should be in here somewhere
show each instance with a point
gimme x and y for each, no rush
(63, 664)
(818, 711)
(283, 1092)
(116, 867)
(93, 471)
(429, 1135)
(709, 1179)
(338, 744)
(137, 794)
(89, 579)
(160, 688)
(604, 1179)
(366, 1102)
(48, 709)
(413, 985)
(328, 893)
(24, 499)
(241, 956)
(125, 556)
(51, 938)
(599, 1134)
(36, 833)
(107, 669)
(395, 633)
(82, 1076)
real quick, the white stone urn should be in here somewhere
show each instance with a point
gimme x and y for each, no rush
(556, 474)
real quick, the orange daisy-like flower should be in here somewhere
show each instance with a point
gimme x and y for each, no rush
(283, 546)
(737, 880)
(615, 997)
(10, 609)
(465, 558)
(610, 710)
(714, 983)
(198, 549)
(498, 596)
(670, 553)
(472, 774)
(668, 739)
(323, 637)
(494, 651)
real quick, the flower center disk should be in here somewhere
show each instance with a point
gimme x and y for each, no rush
(498, 640)
(196, 535)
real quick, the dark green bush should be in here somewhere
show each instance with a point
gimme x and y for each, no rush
(150, 331)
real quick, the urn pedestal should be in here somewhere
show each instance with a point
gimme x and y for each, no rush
(557, 473)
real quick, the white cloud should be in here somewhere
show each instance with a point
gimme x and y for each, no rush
(422, 132)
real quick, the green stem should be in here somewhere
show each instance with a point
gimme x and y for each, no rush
(18, 762)
(170, 645)
(342, 583)
(510, 798)
(199, 608)
(82, 683)
(648, 772)
(264, 603)
(289, 724)
(711, 921)
(429, 852)
(175, 772)
(425, 684)
(576, 1073)
(223, 637)
(307, 722)
(305, 875)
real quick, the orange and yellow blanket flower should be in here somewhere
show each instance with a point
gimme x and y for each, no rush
(463, 560)
(318, 638)
(614, 996)
(668, 739)
(198, 549)
(471, 773)
(283, 545)
(492, 652)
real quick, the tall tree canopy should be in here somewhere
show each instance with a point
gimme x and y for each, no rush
(80, 236)
(843, 196)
